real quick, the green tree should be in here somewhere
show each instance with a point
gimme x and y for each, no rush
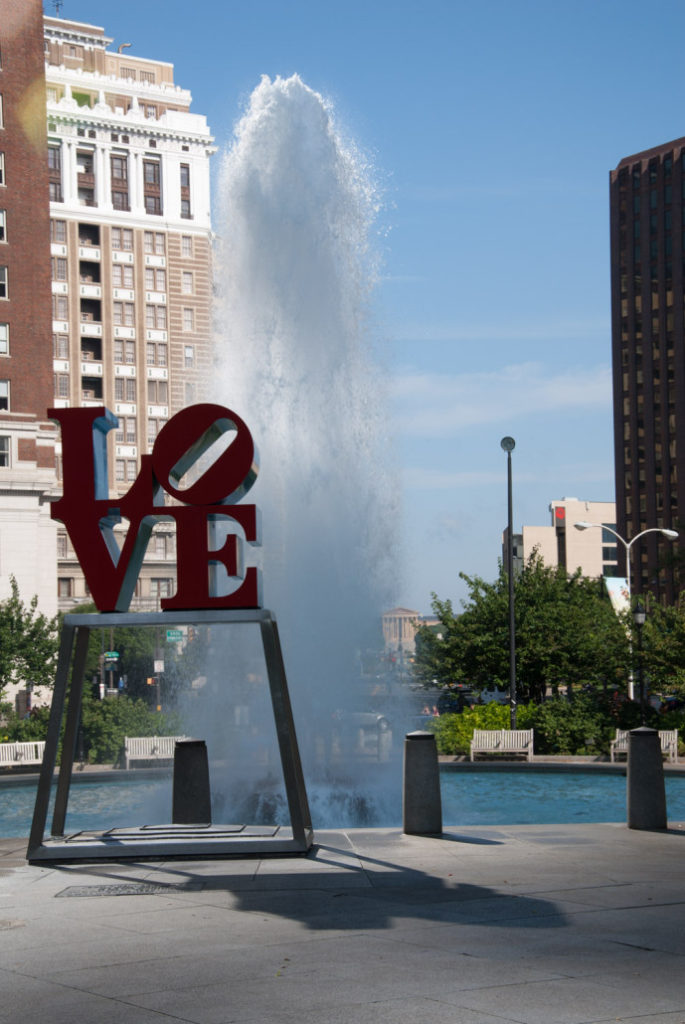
(28, 642)
(566, 633)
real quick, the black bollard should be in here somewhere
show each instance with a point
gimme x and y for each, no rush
(192, 802)
(646, 792)
(421, 803)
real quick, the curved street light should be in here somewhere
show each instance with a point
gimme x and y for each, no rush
(628, 544)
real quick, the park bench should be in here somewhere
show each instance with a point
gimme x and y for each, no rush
(667, 737)
(13, 755)
(149, 748)
(502, 741)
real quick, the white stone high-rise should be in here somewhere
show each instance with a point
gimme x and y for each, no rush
(130, 242)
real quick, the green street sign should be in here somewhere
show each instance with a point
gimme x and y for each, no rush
(174, 635)
(111, 655)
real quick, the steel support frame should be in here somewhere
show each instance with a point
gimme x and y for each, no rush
(180, 842)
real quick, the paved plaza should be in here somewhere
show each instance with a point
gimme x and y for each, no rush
(535, 924)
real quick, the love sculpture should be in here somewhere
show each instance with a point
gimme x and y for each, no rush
(173, 484)
(90, 516)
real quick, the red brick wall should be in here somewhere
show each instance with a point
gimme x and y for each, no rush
(23, 140)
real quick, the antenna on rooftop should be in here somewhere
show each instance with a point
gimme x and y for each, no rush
(58, 5)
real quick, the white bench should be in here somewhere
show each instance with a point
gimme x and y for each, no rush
(28, 752)
(667, 737)
(149, 748)
(502, 741)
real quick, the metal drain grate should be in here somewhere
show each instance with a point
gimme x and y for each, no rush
(129, 889)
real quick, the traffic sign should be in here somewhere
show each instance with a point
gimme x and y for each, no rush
(111, 655)
(174, 635)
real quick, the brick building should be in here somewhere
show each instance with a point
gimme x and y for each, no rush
(648, 355)
(27, 441)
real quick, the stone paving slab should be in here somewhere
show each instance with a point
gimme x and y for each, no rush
(528, 925)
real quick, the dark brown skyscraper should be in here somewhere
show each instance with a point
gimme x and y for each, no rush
(648, 352)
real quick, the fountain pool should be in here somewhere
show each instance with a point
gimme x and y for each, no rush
(469, 797)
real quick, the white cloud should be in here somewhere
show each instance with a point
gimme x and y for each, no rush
(438, 405)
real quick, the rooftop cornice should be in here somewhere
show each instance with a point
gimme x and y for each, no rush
(124, 86)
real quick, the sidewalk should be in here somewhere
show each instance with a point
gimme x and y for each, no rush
(533, 924)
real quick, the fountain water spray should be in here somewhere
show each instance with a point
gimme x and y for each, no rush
(294, 353)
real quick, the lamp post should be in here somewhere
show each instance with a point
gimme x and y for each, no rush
(508, 444)
(639, 616)
(628, 545)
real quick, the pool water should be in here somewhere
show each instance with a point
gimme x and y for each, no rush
(531, 797)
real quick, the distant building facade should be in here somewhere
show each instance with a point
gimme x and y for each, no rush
(648, 356)
(593, 551)
(399, 629)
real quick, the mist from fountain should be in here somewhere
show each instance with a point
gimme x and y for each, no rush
(296, 359)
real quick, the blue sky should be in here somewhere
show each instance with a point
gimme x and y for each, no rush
(493, 127)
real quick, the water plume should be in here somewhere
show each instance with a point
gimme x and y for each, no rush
(295, 357)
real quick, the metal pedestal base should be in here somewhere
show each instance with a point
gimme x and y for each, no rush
(162, 841)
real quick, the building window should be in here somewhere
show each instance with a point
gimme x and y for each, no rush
(60, 346)
(153, 428)
(153, 206)
(122, 275)
(123, 314)
(119, 168)
(155, 279)
(155, 317)
(60, 307)
(54, 158)
(2, 169)
(130, 348)
(120, 470)
(188, 319)
(58, 231)
(185, 209)
(2, 121)
(187, 282)
(156, 353)
(189, 356)
(125, 389)
(4, 451)
(122, 239)
(157, 392)
(4, 395)
(187, 246)
(62, 545)
(4, 283)
(151, 174)
(61, 385)
(126, 431)
(65, 586)
(153, 242)
(59, 268)
(4, 339)
(147, 76)
(127, 73)
(161, 587)
(3, 225)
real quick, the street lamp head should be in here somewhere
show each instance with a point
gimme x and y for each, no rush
(671, 534)
(507, 444)
(583, 525)
(639, 614)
